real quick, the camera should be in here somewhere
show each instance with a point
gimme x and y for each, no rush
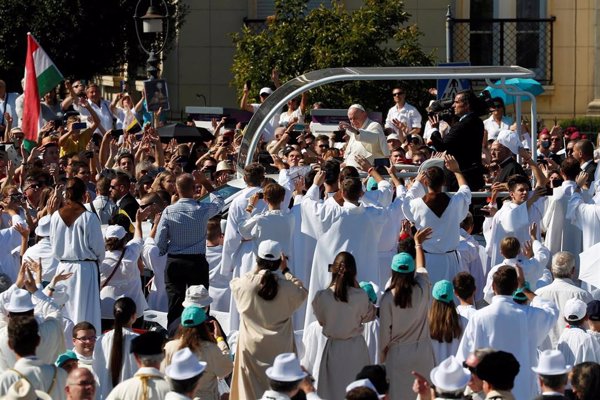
(443, 109)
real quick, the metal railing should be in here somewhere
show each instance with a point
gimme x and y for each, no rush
(524, 42)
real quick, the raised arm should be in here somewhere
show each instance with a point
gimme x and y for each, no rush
(244, 101)
(421, 236)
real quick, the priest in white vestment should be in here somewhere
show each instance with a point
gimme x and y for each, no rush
(441, 212)
(516, 328)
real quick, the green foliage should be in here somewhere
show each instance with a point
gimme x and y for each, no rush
(295, 42)
(84, 38)
(583, 124)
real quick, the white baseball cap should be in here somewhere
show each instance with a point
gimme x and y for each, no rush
(269, 250)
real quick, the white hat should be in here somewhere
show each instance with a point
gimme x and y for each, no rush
(552, 362)
(509, 139)
(114, 231)
(266, 90)
(574, 310)
(363, 383)
(224, 165)
(269, 250)
(43, 228)
(197, 295)
(450, 375)
(20, 301)
(184, 365)
(286, 368)
(22, 390)
(392, 136)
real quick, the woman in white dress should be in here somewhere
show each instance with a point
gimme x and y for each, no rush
(445, 325)
(113, 362)
(78, 244)
(342, 309)
(119, 272)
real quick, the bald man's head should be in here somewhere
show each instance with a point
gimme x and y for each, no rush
(81, 385)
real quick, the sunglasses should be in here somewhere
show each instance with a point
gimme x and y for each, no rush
(397, 94)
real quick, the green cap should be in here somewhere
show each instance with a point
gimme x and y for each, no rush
(443, 291)
(192, 316)
(64, 357)
(371, 184)
(403, 263)
(519, 294)
(370, 290)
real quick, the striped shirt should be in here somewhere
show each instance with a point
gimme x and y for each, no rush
(182, 227)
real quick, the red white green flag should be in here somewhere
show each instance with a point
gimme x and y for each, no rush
(41, 76)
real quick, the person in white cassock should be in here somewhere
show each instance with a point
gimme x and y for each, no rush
(219, 285)
(23, 339)
(148, 383)
(516, 215)
(561, 233)
(351, 227)
(366, 137)
(286, 378)
(533, 259)
(78, 244)
(585, 216)
(50, 325)
(470, 250)
(10, 238)
(575, 343)
(511, 327)
(238, 254)
(428, 206)
(42, 250)
(184, 375)
(560, 291)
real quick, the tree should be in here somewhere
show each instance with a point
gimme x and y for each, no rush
(84, 38)
(295, 42)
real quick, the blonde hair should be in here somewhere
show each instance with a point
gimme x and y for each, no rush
(160, 178)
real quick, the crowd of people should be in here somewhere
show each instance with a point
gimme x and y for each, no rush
(359, 264)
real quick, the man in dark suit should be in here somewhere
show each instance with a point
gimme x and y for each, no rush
(583, 151)
(552, 375)
(120, 193)
(463, 141)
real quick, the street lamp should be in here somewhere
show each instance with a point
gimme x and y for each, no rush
(152, 23)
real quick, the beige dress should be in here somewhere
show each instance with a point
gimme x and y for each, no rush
(346, 351)
(218, 365)
(404, 339)
(265, 330)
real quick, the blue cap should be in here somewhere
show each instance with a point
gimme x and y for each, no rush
(371, 184)
(64, 357)
(370, 290)
(403, 263)
(443, 291)
(192, 316)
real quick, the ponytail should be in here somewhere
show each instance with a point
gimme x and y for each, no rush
(344, 275)
(123, 310)
(268, 283)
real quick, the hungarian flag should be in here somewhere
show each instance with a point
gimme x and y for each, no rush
(41, 76)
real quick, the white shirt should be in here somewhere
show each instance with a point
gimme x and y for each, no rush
(41, 376)
(514, 328)
(577, 346)
(103, 111)
(493, 128)
(407, 114)
(8, 105)
(132, 388)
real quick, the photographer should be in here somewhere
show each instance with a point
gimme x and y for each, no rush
(463, 141)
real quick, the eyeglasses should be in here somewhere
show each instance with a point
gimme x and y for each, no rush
(86, 338)
(397, 94)
(323, 146)
(82, 383)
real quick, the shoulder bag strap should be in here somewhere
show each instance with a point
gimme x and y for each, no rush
(53, 379)
(114, 269)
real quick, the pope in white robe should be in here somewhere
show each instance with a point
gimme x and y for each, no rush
(353, 228)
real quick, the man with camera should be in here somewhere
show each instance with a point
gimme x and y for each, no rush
(463, 141)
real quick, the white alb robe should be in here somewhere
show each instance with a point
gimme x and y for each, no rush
(577, 346)
(157, 296)
(586, 217)
(101, 364)
(561, 233)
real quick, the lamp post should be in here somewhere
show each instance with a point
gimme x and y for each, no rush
(152, 23)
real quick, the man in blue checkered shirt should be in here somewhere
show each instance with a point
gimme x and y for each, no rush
(181, 234)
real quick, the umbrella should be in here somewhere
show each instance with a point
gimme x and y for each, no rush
(524, 84)
(184, 133)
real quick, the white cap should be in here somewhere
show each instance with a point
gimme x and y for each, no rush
(184, 365)
(286, 368)
(43, 228)
(266, 90)
(509, 139)
(574, 310)
(197, 295)
(269, 250)
(552, 362)
(363, 383)
(392, 136)
(20, 301)
(23, 390)
(114, 231)
(224, 165)
(450, 375)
